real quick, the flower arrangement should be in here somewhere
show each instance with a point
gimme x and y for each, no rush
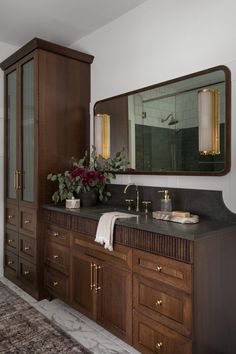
(89, 173)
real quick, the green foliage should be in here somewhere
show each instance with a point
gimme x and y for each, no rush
(68, 186)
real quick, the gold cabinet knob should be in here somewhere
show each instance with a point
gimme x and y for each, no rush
(159, 269)
(10, 216)
(26, 222)
(158, 303)
(10, 241)
(54, 283)
(10, 262)
(55, 256)
(55, 234)
(26, 248)
(159, 345)
(26, 272)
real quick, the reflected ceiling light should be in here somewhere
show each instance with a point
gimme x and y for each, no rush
(102, 134)
(208, 119)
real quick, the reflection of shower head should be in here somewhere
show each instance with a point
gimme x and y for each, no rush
(172, 119)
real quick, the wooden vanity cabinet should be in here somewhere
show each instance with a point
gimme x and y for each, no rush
(101, 284)
(162, 303)
(47, 96)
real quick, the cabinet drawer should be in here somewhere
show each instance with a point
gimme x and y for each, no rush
(57, 256)
(57, 284)
(11, 217)
(151, 337)
(11, 263)
(27, 248)
(162, 303)
(28, 221)
(169, 271)
(11, 241)
(58, 235)
(27, 273)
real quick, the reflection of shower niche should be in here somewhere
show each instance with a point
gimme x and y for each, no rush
(163, 129)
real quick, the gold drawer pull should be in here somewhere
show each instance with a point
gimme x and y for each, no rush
(159, 346)
(158, 303)
(55, 256)
(159, 269)
(27, 248)
(10, 217)
(92, 285)
(26, 272)
(55, 234)
(26, 222)
(54, 283)
(10, 262)
(97, 287)
(10, 241)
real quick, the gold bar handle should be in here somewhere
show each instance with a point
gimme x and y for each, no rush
(26, 272)
(54, 283)
(26, 248)
(55, 256)
(15, 177)
(97, 287)
(55, 234)
(92, 285)
(159, 345)
(10, 241)
(10, 217)
(26, 222)
(10, 262)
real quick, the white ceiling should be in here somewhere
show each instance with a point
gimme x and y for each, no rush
(60, 21)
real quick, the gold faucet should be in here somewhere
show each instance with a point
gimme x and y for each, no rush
(137, 193)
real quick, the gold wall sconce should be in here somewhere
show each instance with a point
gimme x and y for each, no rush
(102, 135)
(208, 120)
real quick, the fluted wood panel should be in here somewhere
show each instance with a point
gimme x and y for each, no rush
(60, 219)
(172, 247)
(164, 245)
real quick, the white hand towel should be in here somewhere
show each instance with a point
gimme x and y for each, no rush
(105, 228)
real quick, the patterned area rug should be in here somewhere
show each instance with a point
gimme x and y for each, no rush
(23, 330)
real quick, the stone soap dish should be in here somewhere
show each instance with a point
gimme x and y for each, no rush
(167, 216)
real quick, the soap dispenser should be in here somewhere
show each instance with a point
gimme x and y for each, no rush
(166, 204)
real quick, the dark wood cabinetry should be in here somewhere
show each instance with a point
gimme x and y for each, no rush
(47, 95)
(175, 304)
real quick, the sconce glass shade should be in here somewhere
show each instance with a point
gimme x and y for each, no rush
(208, 122)
(102, 134)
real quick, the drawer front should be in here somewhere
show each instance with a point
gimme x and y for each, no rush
(120, 256)
(166, 270)
(28, 221)
(27, 273)
(58, 235)
(11, 217)
(162, 303)
(57, 256)
(11, 263)
(27, 248)
(11, 241)
(151, 337)
(57, 284)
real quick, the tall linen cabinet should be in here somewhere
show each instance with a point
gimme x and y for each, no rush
(47, 96)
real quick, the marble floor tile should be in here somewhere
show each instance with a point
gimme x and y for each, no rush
(78, 326)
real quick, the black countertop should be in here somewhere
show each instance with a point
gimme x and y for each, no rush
(205, 227)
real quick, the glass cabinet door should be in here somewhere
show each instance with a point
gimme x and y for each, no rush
(27, 131)
(11, 161)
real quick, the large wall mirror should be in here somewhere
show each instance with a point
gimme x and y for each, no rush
(179, 127)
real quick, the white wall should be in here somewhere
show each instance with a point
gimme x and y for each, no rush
(5, 51)
(162, 40)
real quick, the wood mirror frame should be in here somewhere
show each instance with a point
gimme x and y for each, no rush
(117, 108)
